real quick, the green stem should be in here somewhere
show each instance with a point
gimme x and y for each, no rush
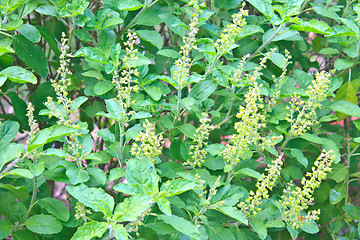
(276, 33)
(71, 32)
(21, 11)
(348, 172)
(346, 8)
(33, 196)
(217, 56)
(178, 106)
(212, 8)
(146, 6)
(121, 126)
(6, 34)
(229, 177)
(226, 118)
(15, 162)
(304, 5)
(196, 217)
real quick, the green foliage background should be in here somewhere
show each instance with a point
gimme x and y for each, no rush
(68, 167)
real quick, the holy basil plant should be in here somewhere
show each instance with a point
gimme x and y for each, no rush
(184, 119)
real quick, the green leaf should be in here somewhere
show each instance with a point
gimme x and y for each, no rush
(293, 232)
(322, 10)
(55, 152)
(83, 36)
(77, 175)
(351, 25)
(292, 7)
(116, 111)
(50, 39)
(94, 74)
(8, 131)
(152, 37)
(120, 232)
(227, 4)
(90, 230)
(202, 90)
(3, 78)
(20, 172)
(21, 193)
(141, 175)
(20, 75)
(43, 224)
(112, 21)
(12, 25)
(32, 55)
(312, 26)
(50, 134)
(102, 87)
(233, 212)
(264, 7)
(98, 174)
(336, 196)
(216, 231)
(299, 156)
(141, 60)
(249, 172)
(188, 130)
(154, 92)
(92, 54)
(182, 225)
(327, 144)
(164, 206)
(74, 8)
(215, 149)
(222, 79)
(131, 208)
(338, 172)
(116, 173)
(230, 194)
(348, 92)
(129, 5)
(345, 107)
(278, 59)
(5, 228)
(341, 64)
(78, 102)
(5, 47)
(20, 111)
(311, 227)
(106, 135)
(9, 153)
(329, 51)
(141, 115)
(56, 208)
(169, 53)
(30, 32)
(18, 212)
(352, 211)
(95, 198)
(259, 227)
(176, 186)
(46, 10)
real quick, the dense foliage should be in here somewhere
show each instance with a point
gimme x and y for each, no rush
(159, 119)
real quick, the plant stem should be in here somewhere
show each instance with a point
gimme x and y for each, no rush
(347, 171)
(121, 126)
(33, 196)
(229, 177)
(276, 33)
(14, 162)
(212, 64)
(146, 6)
